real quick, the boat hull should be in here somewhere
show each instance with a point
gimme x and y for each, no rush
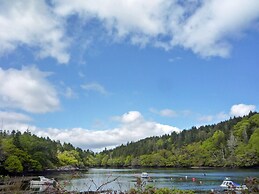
(41, 182)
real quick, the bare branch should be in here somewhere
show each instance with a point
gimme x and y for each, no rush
(106, 183)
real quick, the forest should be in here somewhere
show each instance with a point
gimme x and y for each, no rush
(28, 153)
(232, 143)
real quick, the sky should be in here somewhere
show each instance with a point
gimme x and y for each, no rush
(101, 73)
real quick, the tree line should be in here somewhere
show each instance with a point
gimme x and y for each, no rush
(232, 143)
(25, 152)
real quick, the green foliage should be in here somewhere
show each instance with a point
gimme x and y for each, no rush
(13, 164)
(142, 188)
(89, 161)
(255, 120)
(35, 165)
(69, 158)
(253, 143)
(128, 161)
(232, 143)
(26, 152)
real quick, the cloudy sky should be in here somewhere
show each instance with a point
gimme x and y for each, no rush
(99, 73)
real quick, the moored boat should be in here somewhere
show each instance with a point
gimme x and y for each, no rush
(144, 175)
(42, 181)
(228, 184)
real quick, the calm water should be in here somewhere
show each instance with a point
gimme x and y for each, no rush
(205, 179)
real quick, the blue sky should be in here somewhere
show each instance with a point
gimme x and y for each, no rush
(99, 75)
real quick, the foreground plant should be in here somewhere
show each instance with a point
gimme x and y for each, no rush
(252, 184)
(159, 191)
(142, 188)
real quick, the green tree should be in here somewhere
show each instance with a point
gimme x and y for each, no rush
(69, 158)
(128, 160)
(241, 129)
(89, 161)
(13, 164)
(105, 160)
(35, 165)
(213, 149)
(16, 139)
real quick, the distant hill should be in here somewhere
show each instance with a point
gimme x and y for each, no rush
(232, 143)
(26, 152)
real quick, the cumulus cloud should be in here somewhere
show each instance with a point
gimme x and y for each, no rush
(13, 116)
(32, 23)
(131, 116)
(137, 16)
(207, 30)
(241, 109)
(237, 110)
(132, 127)
(14, 121)
(96, 87)
(205, 27)
(27, 89)
(215, 118)
(164, 112)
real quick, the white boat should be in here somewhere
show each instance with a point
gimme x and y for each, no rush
(41, 188)
(42, 181)
(230, 185)
(144, 175)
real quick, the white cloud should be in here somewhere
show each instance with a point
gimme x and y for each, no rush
(205, 27)
(69, 93)
(236, 110)
(241, 109)
(207, 118)
(215, 118)
(165, 112)
(27, 89)
(132, 127)
(137, 16)
(222, 116)
(96, 87)
(207, 30)
(131, 116)
(14, 121)
(32, 23)
(13, 116)
(168, 113)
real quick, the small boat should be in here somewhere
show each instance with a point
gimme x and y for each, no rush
(42, 181)
(41, 188)
(144, 175)
(230, 185)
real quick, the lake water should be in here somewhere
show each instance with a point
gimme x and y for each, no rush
(187, 179)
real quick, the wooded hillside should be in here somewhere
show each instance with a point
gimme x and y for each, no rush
(232, 143)
(26, 152)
